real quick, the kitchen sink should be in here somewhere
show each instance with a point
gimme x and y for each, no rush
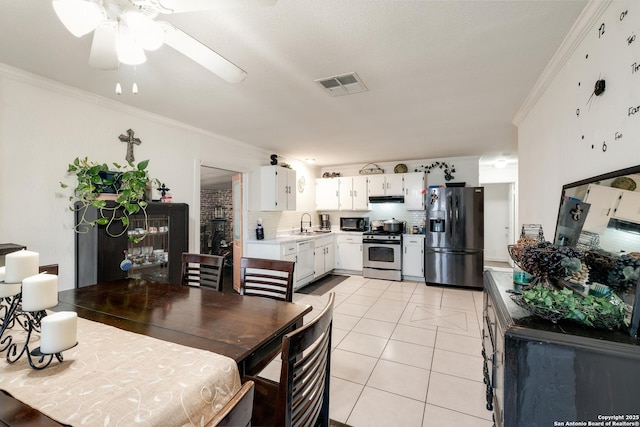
(311, 233)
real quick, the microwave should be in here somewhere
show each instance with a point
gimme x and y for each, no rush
(358, 223)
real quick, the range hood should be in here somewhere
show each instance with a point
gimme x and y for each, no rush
(622, 225)
(386, 199)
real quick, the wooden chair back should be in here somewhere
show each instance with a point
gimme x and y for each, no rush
(301, 398)
(50, 269)
(202, 270)
(268, 278)
(237, 412)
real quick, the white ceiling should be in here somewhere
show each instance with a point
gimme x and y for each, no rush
(445, 78)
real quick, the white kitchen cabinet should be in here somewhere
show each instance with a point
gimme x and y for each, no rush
(628, 208)
(302, 253)
(273, 188)
(353, 193)
(327, 194)
(349, 252)
(385, 185)
(413, 255)
(603, 202)
(415, 185)
(324, 256)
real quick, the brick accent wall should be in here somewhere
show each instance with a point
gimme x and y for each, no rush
(209, 200)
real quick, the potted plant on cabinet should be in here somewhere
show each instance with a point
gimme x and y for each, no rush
(116, 193)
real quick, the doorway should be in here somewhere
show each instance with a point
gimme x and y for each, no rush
(499, 221)
(217, 217)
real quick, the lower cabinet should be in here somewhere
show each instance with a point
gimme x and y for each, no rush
(349, 252)
(538, 373)
(303, 253)
(324, 256)
(413, 256)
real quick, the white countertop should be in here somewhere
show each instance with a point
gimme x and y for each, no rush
(295, 238)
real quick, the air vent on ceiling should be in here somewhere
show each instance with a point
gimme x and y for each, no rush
(344, 84)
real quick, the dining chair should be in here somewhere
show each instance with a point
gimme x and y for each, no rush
(268, 278)
(202, 270)
(237, 411)
(49, 268)
(301, 398)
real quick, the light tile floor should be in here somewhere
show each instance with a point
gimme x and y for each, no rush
(404, 354)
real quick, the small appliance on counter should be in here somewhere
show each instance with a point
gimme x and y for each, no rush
(359, 223)
(325, 224)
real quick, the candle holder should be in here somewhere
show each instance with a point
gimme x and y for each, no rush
(10, 306)
(30, 322)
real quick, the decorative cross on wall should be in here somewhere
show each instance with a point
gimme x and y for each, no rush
(130, 140)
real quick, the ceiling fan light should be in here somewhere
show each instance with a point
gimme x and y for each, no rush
(145, 30)
(80, 17)
(129, 51)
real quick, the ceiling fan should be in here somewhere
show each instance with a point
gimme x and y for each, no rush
(124, 29)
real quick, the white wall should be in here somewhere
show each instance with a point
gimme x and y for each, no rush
(45, 125)
(550, 153)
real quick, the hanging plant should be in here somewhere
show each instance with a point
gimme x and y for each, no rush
(448, 170)
(126, 187)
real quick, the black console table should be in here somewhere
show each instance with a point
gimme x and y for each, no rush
(543, 374)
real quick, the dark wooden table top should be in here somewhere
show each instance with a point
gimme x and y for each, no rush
(222, 322)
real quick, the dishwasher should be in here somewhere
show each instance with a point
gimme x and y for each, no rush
(305, 263)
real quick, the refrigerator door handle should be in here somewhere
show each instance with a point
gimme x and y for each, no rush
(456, 206)
(450, 219)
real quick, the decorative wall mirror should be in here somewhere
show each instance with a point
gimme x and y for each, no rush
(601, 216)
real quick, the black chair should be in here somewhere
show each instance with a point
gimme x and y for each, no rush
(301, 398)
(237, 412)
(202, 270)
(268, 278)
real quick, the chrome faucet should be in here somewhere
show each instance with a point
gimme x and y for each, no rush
(302, 222)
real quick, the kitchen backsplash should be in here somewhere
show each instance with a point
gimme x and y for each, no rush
(275, 223)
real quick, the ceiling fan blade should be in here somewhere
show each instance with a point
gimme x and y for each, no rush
(192, 48)
(104, 53)
(179, 6)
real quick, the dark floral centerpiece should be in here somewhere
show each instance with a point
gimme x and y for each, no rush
(558, 271)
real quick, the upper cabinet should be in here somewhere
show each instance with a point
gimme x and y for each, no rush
(385, 185)
(628, 207)
(603, 202)
(327, 194)
(353, 193)
(415, 185)
(273, 189)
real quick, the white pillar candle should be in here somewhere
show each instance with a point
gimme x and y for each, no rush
(20, 264)
(59, 332)
(9, 289)
(39, 292)
(2, 270)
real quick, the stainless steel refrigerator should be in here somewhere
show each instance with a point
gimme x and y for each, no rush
(454, 241)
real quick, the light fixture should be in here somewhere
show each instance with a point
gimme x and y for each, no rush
(500, 163)
(79, 16)
(129, 51)
(147, 32)
(310, 161)
(118, 89)
(134, 88)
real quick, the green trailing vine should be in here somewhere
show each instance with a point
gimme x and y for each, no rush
(127, 186)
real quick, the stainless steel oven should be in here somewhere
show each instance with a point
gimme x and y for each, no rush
(382, 255)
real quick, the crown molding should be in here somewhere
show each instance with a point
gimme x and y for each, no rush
(36, 80)
(588, 17)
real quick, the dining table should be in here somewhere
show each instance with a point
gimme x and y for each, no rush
(148, 354)
(246, 329)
